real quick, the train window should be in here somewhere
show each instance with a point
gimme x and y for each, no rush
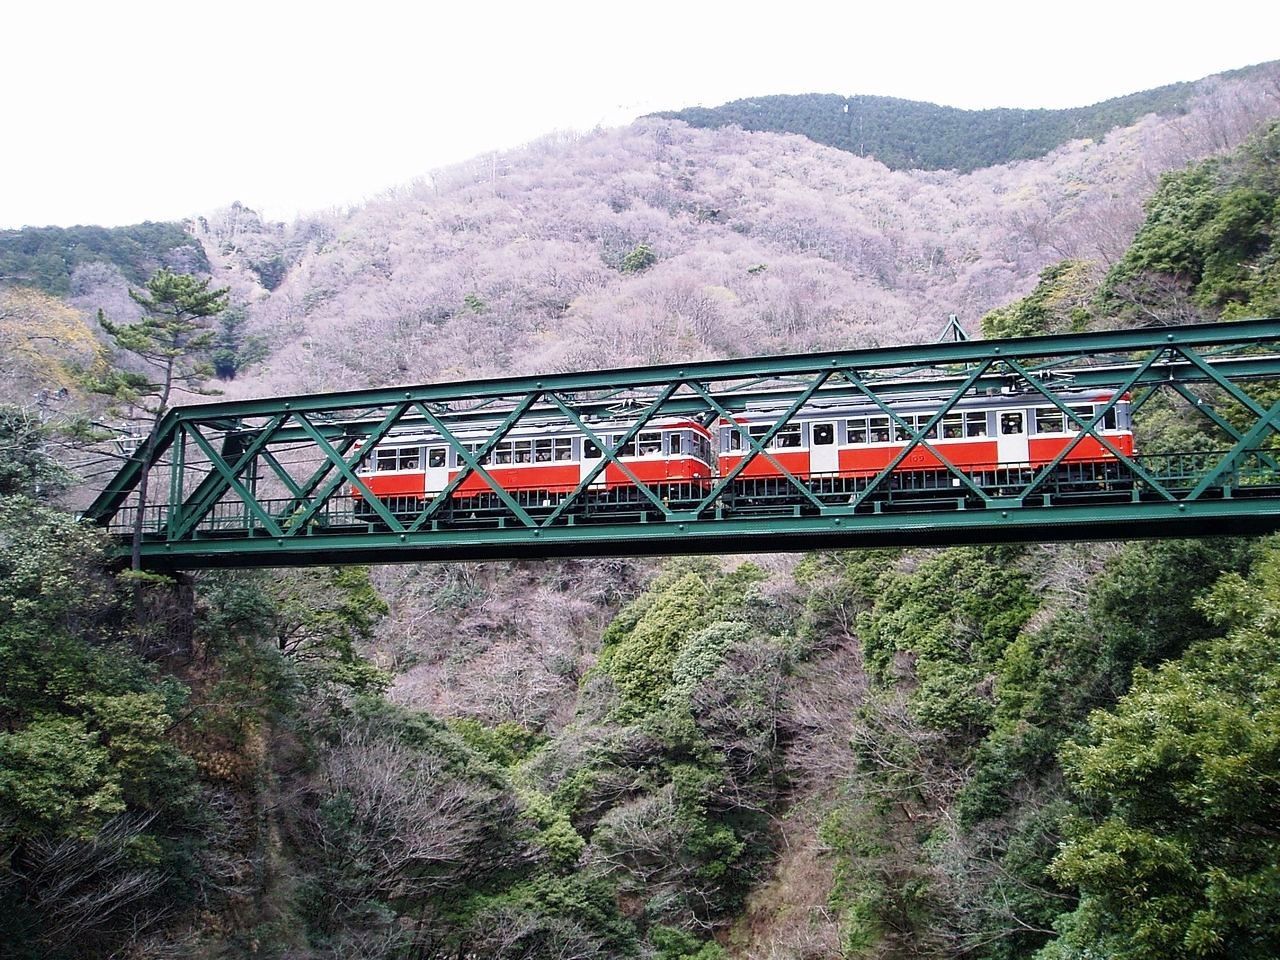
(385, 460)
(901, 430)
(590, 451)
(824, 434)
(878, 428)
(542, 450)
(436, 457)
(563, 448)
(673, 439)
(975, 423)
(1049, 420)
(1011, 423)
(1085, 414)
(758, 431)
(735, 439)
(1109, 421)
(921, 420)
(649, 441)
(523, 451)
(855, 431)
(952, 426)
(790, 436)
(502, 452)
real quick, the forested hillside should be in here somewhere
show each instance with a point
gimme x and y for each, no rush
(909, 135)
(47, 257)
(1014, 753)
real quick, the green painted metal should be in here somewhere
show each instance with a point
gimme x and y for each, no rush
(268, 482)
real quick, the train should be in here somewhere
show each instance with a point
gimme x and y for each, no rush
(832, 448)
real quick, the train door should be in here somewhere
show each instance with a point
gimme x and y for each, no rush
(591, 456)
(1011, 436)
(437, 469)
(824, 455)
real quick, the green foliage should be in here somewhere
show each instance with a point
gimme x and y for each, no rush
(672, 943)
(45, 257)
(638, 259)
(26, 469)
(1059, 304)
(956, 613)
(172, 338)
(907, 134)
(232, 350)
(55, 776)
(506, 744)
(643, 644)
(1210, 230)
(95, 796)
(1176, 856)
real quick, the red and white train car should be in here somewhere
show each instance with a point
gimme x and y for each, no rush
(538, 462)
(978, 434)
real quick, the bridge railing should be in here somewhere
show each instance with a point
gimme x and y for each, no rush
(1177, 473)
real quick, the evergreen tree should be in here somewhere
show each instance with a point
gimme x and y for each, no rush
(173, 340)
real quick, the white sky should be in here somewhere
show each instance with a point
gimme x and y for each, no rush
(118, 112)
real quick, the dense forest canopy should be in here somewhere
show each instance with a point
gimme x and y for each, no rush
(46, 257)
(909, 134)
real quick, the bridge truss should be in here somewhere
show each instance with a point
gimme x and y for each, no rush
(269, 482)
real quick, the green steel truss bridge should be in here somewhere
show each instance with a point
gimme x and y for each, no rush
(270, 482)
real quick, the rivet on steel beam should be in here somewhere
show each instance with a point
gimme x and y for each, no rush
(403, 537)
(838, 521)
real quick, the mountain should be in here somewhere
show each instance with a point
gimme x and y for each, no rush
(911, 135)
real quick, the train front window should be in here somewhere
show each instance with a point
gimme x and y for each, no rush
(673, 438)
(1011, 423)
(735, 439)
(1109, 420)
